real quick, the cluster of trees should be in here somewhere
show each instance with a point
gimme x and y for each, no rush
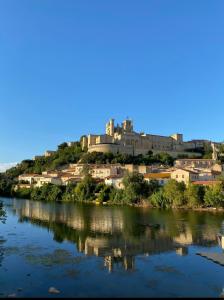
(175, 194)
(148, 159)
(6, 184)
(64, 155)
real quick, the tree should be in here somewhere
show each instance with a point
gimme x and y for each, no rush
(174, 192)
(54, 193)
(62, 146)
(214, 196)
(153, 186)
(135, 187)
(6, 184)
(104, 194)
(194, 195)
(85, 189)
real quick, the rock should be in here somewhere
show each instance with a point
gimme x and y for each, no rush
(53, 290)
(12, 295)
(19, 289)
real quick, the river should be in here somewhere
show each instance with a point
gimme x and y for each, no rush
(101, 251)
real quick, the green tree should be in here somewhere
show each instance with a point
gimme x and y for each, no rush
(174, 192)
(104, 194)
(135, 187)
(85, 190)
(214, 196)
(194, 195)
(54, 193)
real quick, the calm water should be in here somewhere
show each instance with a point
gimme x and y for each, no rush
(90, 251)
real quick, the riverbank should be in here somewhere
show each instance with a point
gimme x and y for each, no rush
(143, 204)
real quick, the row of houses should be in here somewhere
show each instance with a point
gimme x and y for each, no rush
(197, 171)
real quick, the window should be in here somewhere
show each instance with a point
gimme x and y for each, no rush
(176, 176)
(182, 176)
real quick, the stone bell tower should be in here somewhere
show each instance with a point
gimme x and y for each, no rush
(215, 152)
(110, 127)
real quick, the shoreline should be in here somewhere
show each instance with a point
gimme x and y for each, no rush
(142, 205)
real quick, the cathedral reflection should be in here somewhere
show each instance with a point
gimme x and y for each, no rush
(118, 234)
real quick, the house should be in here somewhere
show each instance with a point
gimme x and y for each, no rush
(115, 181)
(41, 180)
(95, 170)
(67, 178)
(143, 169)
(49, 153)
(162, 178)
(195, 163)
(184, 175)
(27, 178)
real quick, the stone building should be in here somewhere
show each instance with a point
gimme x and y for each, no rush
(123, 139)
(195, 163)
(184, 175)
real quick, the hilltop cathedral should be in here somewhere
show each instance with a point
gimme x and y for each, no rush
(123, 139)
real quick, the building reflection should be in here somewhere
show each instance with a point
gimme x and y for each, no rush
(117, 234)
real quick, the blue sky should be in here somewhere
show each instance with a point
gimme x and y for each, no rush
(67, 66)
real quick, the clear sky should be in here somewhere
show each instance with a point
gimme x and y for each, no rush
(67, 66)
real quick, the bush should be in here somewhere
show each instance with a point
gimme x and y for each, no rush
(214, 196)
(158, 199)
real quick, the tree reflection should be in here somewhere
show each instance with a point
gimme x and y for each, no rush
(2, 213)
(2, 220)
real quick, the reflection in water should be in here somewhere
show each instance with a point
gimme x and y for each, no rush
(2, 241)
(2, 213)
(119, 234)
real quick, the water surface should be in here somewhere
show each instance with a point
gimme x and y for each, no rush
(101, 251)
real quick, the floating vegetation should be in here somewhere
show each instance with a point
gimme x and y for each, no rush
(167, 269)
(11, 250)
(58, 257)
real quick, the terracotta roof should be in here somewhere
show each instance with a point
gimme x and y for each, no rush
(187, 170)
(29, 175)
(114, 177)
(157, 175)
(195, 159)
(206, 182)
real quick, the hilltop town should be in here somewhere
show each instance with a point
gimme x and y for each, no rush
(109, 158)
(123, 139)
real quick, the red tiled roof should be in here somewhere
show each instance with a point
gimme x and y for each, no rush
(157, 175)
(206, 182)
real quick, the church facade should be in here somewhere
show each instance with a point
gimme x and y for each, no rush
(123, 139)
